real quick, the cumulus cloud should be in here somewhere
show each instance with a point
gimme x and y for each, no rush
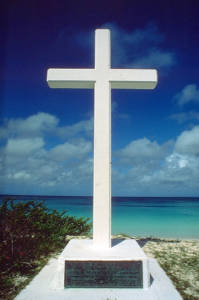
(143, 167)
(117, 114)
(156, 58)
(64, 168)
(142, 151)
(180, 173)
(24, 146)
(176, 175)
(177, 161)
(153, 169)
(67, 151)
(140, 47)
(190, 93)
(42, 124)
(185, 116)
(82, 127)
(35, 125)
(149, 33)
(31, 163)
(188, 142)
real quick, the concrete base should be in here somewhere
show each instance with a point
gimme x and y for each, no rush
(121, 251)
(49, 283)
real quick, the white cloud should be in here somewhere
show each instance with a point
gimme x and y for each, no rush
(82, 127)
(31, 163)
(42, 124)
(176, 175)
(185, 116)
(140, 47)
(35, 125)
(23, 146)
(177, 161)
(142, 151)
(64, 169)
(21, 175)
(190, 93)
(116, 114)
(180, 172)
(146, 168)
(143, 167)
(67, 151)
(156, 58)
(149, 33)
(188, 142)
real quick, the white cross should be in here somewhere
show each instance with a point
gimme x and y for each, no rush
(102, 79)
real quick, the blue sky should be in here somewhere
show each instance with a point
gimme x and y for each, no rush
(46, 135)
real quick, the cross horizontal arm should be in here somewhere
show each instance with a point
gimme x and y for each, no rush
(133, 78)
(71, 78)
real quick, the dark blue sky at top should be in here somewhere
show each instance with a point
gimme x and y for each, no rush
(37, 35)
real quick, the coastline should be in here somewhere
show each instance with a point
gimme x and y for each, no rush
(165, 217)
(179, 257)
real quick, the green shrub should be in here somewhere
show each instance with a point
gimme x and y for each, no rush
(30, 231)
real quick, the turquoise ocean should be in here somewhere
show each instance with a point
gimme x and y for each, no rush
(137, 216)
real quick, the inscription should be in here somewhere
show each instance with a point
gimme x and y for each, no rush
(103, 274)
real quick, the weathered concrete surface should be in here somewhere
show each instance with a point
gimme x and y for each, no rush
(86, 250)
(44, 285)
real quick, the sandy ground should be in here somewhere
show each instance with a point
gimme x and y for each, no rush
(180, 260)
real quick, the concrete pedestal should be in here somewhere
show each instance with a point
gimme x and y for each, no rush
(123, 265)
(49, 283)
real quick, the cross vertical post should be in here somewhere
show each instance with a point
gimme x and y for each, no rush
(102, 143)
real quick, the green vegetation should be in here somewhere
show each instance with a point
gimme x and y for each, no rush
(180, 260)
(29, 234)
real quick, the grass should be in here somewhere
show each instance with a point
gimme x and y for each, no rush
(13, 282)
(180, 260)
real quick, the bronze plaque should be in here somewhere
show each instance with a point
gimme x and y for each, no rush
(103, 274)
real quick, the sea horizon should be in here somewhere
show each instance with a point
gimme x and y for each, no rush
(161, 217)
(113, 196)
